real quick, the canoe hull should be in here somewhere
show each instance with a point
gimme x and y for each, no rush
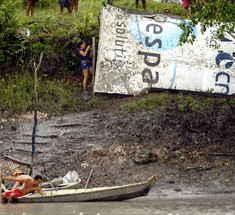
(118, 193)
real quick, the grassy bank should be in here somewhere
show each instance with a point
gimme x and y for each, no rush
(182, 102)
(23, 38)
(55, 96)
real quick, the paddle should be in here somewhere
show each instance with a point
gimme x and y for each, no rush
(89, 178)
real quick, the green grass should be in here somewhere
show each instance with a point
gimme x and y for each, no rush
(182, 103)
(155, 7)
(149, 102)
(52, 23)
(57, 34)
(86, 18)
(54, 96)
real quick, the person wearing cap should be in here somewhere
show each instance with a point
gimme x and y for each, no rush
(15, 174)
(29, 185)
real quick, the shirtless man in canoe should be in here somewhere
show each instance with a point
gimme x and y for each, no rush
(29, 185)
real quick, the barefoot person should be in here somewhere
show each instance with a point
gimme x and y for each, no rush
(75, 4)
(29, 185)
(143, 4)
(30, 7)
(66, 3)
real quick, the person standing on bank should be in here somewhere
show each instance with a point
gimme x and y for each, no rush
(143, 4)
(30, 6)
(66, 3)
(75, 4)
(85, 54)
(188, 4)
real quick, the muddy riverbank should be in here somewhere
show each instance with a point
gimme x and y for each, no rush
(189, 151)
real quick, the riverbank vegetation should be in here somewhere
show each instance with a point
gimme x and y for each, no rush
(182, 102)
(57, 35)
(191, 135)
(210, 13)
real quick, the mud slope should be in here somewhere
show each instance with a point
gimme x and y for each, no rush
(193, 149)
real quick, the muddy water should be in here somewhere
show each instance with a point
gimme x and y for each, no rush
(222, 205)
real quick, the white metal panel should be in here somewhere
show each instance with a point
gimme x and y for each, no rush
(138, 52)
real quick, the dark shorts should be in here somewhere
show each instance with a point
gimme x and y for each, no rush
(65, 3)
(85, 65)
(142, 0)
(16, 192)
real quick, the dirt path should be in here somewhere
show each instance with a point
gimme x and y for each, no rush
(187, 155)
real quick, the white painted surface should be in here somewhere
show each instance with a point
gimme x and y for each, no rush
(137, 53)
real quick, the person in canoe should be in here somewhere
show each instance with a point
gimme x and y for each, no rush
(16, 174)
(29, 185)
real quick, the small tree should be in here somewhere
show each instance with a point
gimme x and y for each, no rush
(208, 13)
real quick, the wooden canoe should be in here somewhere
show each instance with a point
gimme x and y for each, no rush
(74, 185)
(115, 193)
